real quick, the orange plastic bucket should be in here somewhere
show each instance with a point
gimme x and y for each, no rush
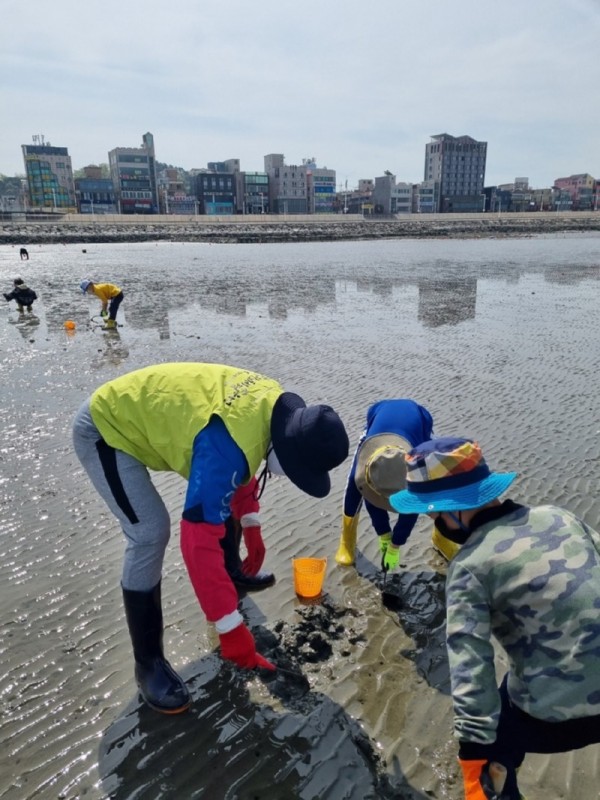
(309, 574)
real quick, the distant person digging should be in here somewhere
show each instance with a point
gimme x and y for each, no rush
(111, 297)
(24, 254)
(22, 295)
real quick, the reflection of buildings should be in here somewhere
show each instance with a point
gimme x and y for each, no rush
(445, 301)
(280, 293)
(150, 311)
(572, 274)
(382, 287)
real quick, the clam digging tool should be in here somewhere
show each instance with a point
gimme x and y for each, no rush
(390, 600)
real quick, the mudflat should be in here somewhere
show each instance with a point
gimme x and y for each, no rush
(497, 337)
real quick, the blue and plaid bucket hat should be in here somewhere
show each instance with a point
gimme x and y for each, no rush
(448, 475)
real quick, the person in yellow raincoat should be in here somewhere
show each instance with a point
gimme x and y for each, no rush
(111, 297)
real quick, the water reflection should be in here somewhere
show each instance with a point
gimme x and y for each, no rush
(573, 274)
(113, 349)
(26, 324)
(238, 281)
(446, 302)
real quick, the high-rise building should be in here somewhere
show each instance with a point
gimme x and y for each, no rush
(133, 173)
(457, 164)
(49, 176)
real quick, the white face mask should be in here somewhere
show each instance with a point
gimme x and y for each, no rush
(273, 464)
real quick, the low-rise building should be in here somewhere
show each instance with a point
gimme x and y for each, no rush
(581, 189)
(287, 185)
(95, 194)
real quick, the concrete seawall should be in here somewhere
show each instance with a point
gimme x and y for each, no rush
(82, 229)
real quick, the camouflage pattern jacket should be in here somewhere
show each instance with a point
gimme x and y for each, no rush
(530, 577)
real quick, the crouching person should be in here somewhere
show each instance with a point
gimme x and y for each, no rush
(22, 295)
(529, 576)
(214, 425)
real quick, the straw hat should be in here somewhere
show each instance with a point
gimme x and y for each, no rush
(381, 468)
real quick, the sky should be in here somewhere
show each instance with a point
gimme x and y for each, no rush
(360, 85)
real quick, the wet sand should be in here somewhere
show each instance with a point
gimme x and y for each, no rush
(497, 338)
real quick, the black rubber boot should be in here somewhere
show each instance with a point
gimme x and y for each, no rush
(253, 583)
(159, 684)
(233, 564)
(231, 545)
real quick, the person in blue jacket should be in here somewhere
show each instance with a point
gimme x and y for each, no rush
(378, 470)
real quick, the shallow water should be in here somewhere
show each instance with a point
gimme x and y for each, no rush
(498, 338)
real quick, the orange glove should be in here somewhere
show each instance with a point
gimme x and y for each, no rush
(238, 646)
(482, 779)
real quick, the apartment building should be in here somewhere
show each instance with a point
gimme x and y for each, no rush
(133, 174)
(457, 164)
(49, 173)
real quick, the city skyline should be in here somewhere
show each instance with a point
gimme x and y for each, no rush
(362, 91)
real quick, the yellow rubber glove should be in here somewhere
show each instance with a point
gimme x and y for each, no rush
(347, 547)
(444, 546)
(391, 557)
(385, 539)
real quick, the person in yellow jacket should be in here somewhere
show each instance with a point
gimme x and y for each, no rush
(215, 425)
(111, 297)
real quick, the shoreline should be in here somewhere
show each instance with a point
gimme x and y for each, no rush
(198, 229)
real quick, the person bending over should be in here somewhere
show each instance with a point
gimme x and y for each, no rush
(214, 425)
(110, 296)
(528, 576)
(378, 470)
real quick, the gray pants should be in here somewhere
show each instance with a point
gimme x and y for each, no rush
(125, 485)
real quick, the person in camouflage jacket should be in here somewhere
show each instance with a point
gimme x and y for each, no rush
(530, 578)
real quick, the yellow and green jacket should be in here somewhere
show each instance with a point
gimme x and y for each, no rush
(210, 423)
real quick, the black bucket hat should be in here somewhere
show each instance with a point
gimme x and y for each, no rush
(308, 442)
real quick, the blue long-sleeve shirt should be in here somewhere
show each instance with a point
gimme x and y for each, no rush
(415, 424)
(218, 467)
